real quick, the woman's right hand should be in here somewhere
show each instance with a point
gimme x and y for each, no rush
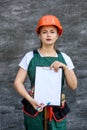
(36, 105)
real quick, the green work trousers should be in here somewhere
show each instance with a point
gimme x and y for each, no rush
(36, 123)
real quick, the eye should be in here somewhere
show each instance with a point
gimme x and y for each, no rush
(52, 32)
(44, 32)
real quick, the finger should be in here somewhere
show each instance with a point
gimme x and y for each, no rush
(39, 109)
(56, 69)
(52, 66)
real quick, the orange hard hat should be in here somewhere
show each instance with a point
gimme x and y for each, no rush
(49, 20)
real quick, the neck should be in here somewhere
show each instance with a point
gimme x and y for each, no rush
(48, 48)
(47, 51)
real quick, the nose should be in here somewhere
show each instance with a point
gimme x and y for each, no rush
(48, 34)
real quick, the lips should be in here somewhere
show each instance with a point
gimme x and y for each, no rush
(48, 39)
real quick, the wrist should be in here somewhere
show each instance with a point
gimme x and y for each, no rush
(65, 68)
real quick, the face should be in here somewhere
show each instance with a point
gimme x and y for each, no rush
(48, 35)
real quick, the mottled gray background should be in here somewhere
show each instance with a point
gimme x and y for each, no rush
(18, 19)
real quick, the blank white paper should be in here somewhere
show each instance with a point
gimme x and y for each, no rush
(48, 86)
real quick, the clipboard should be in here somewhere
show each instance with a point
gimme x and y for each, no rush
(48, 84)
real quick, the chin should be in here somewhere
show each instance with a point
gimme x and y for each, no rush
(49, 43)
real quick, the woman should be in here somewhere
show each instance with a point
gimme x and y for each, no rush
(48, 29)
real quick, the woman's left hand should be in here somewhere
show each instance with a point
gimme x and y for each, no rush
(56, 65)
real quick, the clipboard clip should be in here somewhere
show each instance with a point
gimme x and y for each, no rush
(46, 68)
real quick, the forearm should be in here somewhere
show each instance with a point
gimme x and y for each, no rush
(22, 91)
(19, 86)
(69, 74)
(70, 78)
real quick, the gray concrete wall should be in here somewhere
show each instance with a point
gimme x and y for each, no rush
(18, 19)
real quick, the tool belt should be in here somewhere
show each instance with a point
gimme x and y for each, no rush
(56, 112)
